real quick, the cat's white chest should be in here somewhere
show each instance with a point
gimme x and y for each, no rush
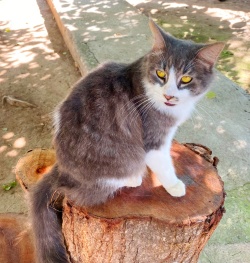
(182, 112)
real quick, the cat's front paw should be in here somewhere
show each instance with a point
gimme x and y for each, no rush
(177, 190)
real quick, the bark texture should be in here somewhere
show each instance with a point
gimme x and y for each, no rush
(146, 224)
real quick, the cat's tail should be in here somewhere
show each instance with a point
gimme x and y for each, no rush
(49, 242)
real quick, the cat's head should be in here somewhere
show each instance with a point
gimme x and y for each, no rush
(178, 72)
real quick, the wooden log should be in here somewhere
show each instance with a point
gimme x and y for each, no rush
(146, 224)
(16, 244)
(15, 239)
(143, 224)
(33, 165)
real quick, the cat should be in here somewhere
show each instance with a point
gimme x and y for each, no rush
(116, 121)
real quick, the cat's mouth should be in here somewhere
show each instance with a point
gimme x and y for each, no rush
(169, 104)
(169, 100)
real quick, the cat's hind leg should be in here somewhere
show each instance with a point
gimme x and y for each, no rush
(133, 181)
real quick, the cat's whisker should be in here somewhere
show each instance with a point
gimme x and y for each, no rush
(198, 114)
(160, 55)
(192, 119)
(131, 101)
(202, 107)
(54, 200)
(130, 105)
(190, 65)
(133, 109)
(143, 110)
(198, 118)
(201, 120)
(136, 108)
(146, 108)
(163, 59)
(206, 109)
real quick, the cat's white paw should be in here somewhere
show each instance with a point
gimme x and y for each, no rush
(134, 181)
(177, 190)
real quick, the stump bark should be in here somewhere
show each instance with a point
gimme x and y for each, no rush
(146, 224)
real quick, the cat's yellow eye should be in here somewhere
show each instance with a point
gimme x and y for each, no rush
(186, 79)
(161, 74)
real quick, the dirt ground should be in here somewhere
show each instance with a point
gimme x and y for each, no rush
(37, 68)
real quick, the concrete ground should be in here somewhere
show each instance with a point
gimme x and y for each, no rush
(96, 31)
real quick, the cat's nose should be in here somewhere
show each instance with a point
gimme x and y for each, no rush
(168, 97)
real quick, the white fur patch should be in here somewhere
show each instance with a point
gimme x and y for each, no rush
(131, 181)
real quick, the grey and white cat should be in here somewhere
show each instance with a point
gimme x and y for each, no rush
(116, 121)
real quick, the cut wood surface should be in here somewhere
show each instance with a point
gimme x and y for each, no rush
(33, 165)
(146, 224)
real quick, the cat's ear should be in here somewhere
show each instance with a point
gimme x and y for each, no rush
(159, 42)
(210, 53)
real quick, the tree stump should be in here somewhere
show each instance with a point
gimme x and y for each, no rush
(33, 165)
(146, 224)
